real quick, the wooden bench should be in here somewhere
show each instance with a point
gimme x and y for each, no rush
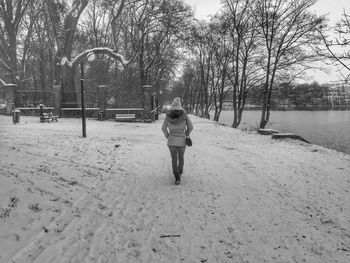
(48, 117)
(54, 118)
(124, 116)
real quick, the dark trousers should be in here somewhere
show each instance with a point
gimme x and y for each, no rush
(177, 160)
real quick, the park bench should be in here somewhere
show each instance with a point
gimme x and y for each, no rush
(48, 117)
(54, 118)
(124, 116)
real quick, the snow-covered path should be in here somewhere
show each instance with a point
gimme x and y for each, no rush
(110, 197)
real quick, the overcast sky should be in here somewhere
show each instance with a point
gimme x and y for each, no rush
(205, 8)
(333, 8)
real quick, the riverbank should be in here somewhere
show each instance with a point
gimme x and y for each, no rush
(110, 197)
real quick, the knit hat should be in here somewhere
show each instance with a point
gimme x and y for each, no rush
(176, 104)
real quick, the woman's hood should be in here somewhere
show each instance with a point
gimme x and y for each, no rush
(176, 116)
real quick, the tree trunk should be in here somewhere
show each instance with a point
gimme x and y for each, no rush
(64, 30)
(264, 119)
(265, 114)
(216, 110)
(235, 87)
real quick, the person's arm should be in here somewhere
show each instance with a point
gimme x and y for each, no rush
(165, 128)
(189, 126)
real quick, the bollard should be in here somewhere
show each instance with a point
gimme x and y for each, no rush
(15, 116)
(100, 115)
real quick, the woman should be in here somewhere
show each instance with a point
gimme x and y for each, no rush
(175, 127)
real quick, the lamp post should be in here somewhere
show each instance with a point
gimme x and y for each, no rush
(82, 92)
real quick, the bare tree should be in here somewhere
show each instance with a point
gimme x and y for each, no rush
(37, 60)
(200, 42)
(11, 18)
(153, 27)
(243, 31)
(287, 29)
(96, 26)
(189, 83)
(223, 49)
(335, 48)
(64, 21)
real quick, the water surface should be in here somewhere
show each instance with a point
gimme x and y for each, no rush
(326, 128)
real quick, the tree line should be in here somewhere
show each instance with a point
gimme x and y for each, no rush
(248, 48)
(256, 50)
(42, 43)
(304, 96)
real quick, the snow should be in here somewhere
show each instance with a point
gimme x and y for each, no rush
(111, 197)
(105, 50)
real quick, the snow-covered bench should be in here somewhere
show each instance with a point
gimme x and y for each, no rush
(124, 116)
(48, 117)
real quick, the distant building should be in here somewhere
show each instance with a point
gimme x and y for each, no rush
(339, 94)
(228, 103)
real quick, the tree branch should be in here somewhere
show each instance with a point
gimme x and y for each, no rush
(333, 55)
(99, 50)
(5, 65)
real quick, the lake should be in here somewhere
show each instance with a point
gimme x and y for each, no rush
(326, 128)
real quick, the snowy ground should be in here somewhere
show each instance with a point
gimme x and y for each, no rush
(110, 197)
